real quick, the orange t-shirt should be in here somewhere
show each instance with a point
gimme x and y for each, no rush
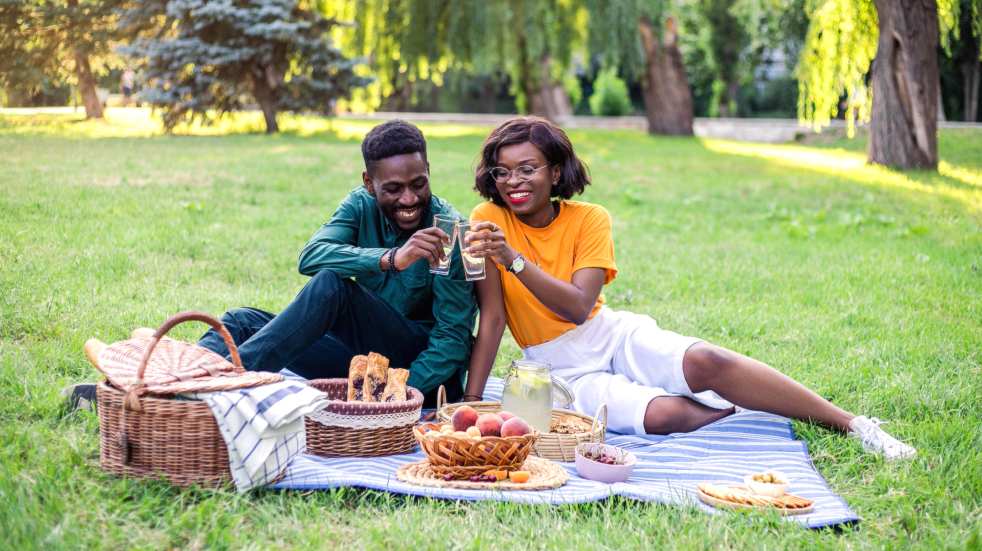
(579, 237)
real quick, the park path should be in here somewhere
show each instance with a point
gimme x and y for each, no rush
(741, 129)
(745, 129)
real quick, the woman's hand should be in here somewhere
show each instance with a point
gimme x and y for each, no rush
(487, 240)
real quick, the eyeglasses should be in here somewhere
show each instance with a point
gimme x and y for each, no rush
(524, 173)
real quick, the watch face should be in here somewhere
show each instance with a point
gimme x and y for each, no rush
(518, 265)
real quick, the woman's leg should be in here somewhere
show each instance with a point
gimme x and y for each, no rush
(669, 414)
(754, 385)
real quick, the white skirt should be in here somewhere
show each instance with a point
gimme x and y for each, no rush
(624, 360)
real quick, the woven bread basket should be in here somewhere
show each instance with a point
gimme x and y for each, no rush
(364, 429)
(550, 445)
(145, 436)
(460, 457)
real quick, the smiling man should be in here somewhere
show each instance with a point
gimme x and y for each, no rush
(371, 288)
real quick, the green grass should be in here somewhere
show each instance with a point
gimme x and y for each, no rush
(865, 284)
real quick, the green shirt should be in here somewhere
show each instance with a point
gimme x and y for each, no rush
(351, 245)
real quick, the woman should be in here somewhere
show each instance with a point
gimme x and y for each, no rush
(553, 256)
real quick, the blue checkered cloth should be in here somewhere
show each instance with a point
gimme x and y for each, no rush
(668, 469)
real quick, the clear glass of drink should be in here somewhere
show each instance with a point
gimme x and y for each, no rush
(473, 265)
(449, 226)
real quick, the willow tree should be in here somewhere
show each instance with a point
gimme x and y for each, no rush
(640, 38)
(408, 41)
(892, 45)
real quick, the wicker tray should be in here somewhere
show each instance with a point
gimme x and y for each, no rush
(550, 445)
(153, 437)
(545, 475)
(365, 429)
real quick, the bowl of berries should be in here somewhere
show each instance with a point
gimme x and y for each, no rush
(603, 462)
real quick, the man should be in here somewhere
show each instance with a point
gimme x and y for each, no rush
(371, 288)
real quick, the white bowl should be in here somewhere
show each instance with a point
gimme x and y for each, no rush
(770, 489)
(602, 472)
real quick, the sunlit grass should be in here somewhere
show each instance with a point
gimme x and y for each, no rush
(950, 181)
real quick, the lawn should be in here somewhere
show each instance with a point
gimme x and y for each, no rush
(863, 283)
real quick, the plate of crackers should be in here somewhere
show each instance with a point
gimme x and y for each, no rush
(741, 497)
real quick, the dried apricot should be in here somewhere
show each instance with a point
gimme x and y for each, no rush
(519, 476)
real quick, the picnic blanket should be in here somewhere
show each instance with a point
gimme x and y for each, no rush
(668, 469)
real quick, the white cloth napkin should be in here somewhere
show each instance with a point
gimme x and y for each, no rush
(263, 427)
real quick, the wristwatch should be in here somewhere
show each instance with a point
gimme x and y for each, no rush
(517, 265)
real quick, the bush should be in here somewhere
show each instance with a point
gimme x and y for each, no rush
(610, 97)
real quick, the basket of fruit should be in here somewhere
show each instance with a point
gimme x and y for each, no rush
(370, 414)
(567, 428)
(473, 444)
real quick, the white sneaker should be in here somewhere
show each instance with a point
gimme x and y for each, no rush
(876, 440)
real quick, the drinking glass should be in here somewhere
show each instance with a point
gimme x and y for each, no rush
(449, 226)
(473, 265)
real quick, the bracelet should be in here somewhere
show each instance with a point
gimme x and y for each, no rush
(392, 259)
(466, 396)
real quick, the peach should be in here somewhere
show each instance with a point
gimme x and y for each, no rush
(506, 415)
(463, 417)
(473, 432)
(490, 424)
(516, 426)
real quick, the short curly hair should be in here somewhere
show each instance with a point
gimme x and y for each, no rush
(551, 141)
(395, 137)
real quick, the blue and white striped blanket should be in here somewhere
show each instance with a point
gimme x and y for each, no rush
(668, 469)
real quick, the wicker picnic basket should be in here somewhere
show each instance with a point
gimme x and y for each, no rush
(550, 445)
(457, 457)
(153, 436)
(365, 429)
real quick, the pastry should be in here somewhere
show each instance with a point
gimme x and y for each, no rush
(375, 376)
(356, 377)
(395, 387)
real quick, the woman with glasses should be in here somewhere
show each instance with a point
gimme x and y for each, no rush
(553, 255)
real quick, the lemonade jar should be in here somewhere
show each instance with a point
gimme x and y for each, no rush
(528, 393)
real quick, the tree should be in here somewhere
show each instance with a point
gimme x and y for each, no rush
(641, 38)
(902, 104)
(962, 46)
(42, 40)
(728, 42)
(408, 41)
(216, 55)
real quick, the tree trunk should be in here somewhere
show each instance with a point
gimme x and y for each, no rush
(904, 125)
(549, 98)
(86, 82)
(971, 71)
(728, 101)
(86, 85)
(264, 96)
(667, 98)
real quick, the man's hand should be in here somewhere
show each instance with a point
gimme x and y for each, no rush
(486, 240)
(426, 244)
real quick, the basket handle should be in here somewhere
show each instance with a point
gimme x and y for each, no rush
(131, 401)
(601, 411)
(441, 398)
